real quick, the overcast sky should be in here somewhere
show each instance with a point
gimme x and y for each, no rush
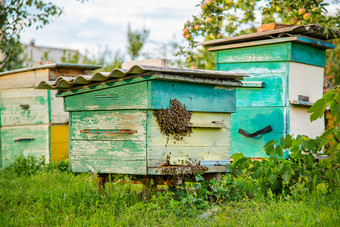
(100, 23)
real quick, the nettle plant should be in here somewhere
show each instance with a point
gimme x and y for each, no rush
(302, 168)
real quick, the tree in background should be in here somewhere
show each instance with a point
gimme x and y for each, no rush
(226, 18)
(107, 58)
(136, 41)
(15, 16)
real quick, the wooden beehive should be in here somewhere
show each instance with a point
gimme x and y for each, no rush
(286, 78)
(113, 128)
(33, 122)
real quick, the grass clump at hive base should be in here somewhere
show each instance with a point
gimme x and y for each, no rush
(174, 120)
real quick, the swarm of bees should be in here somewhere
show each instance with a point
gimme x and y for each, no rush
(174, 120)
(178, 173)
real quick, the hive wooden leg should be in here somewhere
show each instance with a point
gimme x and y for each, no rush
(101, 180)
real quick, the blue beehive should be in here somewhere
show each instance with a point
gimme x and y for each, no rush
(286, 68)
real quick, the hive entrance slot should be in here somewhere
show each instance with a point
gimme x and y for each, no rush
(109, 131)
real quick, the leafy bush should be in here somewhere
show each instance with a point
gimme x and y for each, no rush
(302, 171)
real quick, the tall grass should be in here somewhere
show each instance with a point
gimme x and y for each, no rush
(52, 197)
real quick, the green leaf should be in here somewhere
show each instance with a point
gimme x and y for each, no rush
(257, 173)
(317, 109)
(237, 156)
(269, 147)
(329, 97)
(279, 150)
(271, 178)
(285, 171)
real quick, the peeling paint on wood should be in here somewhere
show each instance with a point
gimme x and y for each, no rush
(24, 140)
(132, 96)
(289, 51)
(23, 107)
(196, 97)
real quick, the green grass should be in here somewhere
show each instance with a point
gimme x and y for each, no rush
(60, 198)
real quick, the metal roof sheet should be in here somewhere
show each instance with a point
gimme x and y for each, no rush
(62, 83)
(314, 31)
(51, 66)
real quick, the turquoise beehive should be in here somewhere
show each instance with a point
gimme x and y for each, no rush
(286, 68)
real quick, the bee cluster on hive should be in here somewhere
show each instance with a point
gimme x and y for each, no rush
(174, 120)
(178, 173)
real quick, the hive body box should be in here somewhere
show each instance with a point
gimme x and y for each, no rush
(33, 122)
(113, 128)
(286, 78)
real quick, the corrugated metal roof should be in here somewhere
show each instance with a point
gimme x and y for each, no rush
(314, 31)
(51, 66)
(62, 83)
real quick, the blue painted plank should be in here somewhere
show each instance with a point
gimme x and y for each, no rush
(253, 147)
(264, 53)
(255, 67)
(196, 97)
(308, 54)
(290, 51)
(316, 42)
(252, 119)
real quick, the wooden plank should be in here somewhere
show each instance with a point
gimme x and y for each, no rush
(124, 157)
(301, 103)
(255, 68)
(59, 116)
(160, 155)
(108, 120)
(59, 142)
(291, 51)
(302, 39)
(273, 94)
(308, 54)
(114, 150)
(109, 166)
(200, 137)
(264, 53)
(252, 119)
(315, 42)
(24, 140)
(195, 80)
(24, 106)
(273, 74)
(251, 43)
(104, 85)
(252, 147)
(198, 97)
(131, 96)
(23, 79)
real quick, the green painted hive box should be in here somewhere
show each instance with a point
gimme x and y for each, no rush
(286, 74)
(33, 122)
(113, 128)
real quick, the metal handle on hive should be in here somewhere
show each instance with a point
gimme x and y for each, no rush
(24, 140)
(257, 133)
